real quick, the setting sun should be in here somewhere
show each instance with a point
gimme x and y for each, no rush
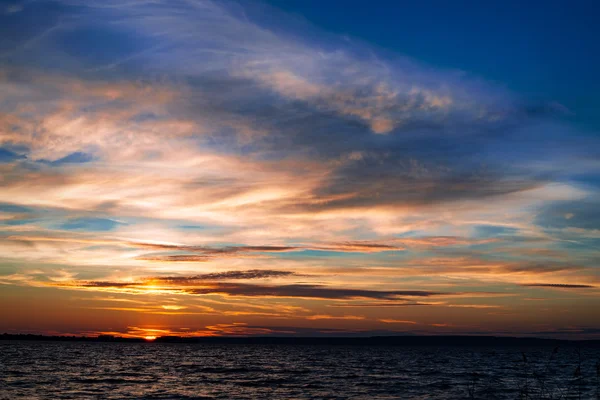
(150, 338)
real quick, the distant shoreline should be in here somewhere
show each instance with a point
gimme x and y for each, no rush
(462, 341)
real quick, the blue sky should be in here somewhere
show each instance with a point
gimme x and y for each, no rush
(542, 49)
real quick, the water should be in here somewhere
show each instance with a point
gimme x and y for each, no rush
(76, 370)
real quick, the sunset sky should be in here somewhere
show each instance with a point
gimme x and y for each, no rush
(299, 167)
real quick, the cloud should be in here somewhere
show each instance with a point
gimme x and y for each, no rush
(194, 286)
(77, 157)
(214, 250)
(310, 109)
(208, 253)
(329, 317)
(234, 329)
(559, 286)
(350, 246)
(175, 258)
(386, 304)
(391, 183)
(249, 274)
(397, 321)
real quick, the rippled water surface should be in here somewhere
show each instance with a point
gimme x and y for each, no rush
(75, 370)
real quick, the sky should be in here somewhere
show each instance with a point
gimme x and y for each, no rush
(310, 168)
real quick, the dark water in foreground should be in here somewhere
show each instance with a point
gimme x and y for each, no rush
(55, 370)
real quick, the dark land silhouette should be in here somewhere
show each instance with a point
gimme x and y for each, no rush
(464, 341)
